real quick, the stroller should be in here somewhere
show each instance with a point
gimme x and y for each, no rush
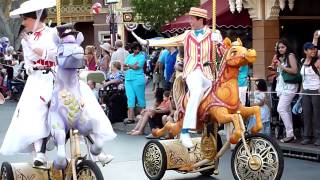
(116, 102)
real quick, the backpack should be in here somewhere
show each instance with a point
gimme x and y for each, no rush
(313, 66)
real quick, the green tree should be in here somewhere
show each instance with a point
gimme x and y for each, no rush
(10, 27)
(160, 12)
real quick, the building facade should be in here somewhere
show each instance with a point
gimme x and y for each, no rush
(294, 20)
(76, 11)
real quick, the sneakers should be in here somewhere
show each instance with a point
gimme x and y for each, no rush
(287, 139)
(306, 141)
(186, 140)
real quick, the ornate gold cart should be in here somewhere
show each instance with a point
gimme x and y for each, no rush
(79, 167)
(255, 156)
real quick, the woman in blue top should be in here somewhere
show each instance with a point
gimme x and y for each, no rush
(134, 80)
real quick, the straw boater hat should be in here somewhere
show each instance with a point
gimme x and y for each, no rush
(32, 6)
(198, 12)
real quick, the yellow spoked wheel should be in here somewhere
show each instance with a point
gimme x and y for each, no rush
(265, 163)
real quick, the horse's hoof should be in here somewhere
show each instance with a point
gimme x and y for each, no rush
(234, 139)
(60, 164)
(95, 150)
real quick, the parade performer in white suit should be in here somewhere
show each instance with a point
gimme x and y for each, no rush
(29, 129)
(198, 48)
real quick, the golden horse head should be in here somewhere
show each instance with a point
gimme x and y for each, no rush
(236, 55)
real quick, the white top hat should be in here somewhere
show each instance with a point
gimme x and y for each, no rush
(31, 6)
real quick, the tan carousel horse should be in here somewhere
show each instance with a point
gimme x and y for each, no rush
(220, 103)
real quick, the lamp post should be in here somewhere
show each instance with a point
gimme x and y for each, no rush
(113, 24)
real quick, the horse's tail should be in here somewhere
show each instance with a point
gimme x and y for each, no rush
(179, 90)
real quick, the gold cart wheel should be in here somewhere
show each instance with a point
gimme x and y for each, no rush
(154, 160)
(6, 171)
(266, 161)
(88, 170)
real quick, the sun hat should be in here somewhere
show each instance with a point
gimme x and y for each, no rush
(198, 12)
(106, 47)
(32, 6)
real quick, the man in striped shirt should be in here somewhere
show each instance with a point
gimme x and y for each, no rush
(198, 53)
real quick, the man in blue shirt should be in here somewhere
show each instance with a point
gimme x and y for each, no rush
(243, 83)
(170, 61)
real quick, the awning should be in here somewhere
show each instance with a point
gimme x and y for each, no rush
(225, 19)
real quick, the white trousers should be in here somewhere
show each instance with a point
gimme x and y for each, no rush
(284, 110)
(197, 84)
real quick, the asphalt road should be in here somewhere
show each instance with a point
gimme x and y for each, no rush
(127, 163)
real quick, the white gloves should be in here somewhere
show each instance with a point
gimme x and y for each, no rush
(216, 37)
(141, 41)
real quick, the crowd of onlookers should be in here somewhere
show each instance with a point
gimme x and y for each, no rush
(127, 70)
(296, 100)
(12, 73)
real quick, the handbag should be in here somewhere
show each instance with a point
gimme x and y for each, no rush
(292, 78)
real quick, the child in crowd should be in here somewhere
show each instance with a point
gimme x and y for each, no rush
(152, 114)
(260, 100)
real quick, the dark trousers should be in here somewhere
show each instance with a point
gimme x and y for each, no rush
(156, 121)
(311, 114)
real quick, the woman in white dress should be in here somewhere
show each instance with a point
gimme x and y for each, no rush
(29, 128)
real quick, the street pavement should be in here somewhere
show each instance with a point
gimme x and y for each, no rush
(127, 164)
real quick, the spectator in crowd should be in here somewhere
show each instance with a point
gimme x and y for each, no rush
(120, 54)
(310, 103)
(259, 99)
(2, 88)
(243, 83)
(92, 86)
(116, 76)
(134, 80)
(154, 115)
(105, 57)
(4, 41)
(285, 61)
(10, 63)
(162, 65)
(2, 100)
(316, 36)
(170, 61)
(156, 77)
(90, 58)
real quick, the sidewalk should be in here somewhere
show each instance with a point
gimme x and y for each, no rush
(295, 150)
